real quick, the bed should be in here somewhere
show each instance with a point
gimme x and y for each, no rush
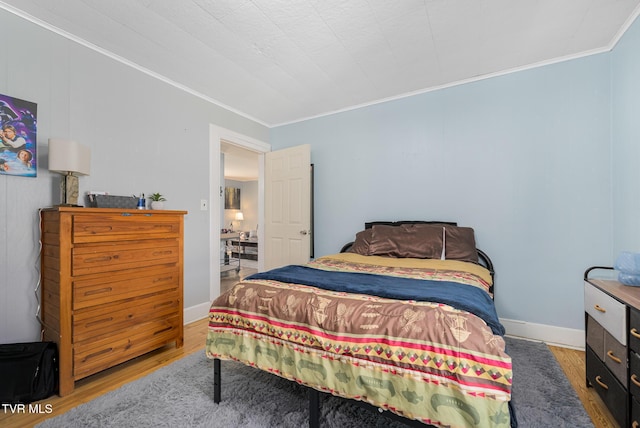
(402, 320)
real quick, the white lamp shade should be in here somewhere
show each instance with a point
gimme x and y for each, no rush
(239, 216)
(66, 156)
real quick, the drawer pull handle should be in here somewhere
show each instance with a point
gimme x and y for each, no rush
(97, 322)
(167, 303)
(613, 357)
(604, 385)
(97, 259)
(599, 308)
(635, 333)
(99, 291)
(635, 380)
(163, 330)
(162, 253)
(101, 352)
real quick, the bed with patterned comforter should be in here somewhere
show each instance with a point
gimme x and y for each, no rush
(417, 337)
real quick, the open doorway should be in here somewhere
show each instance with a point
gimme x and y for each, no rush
(239, 243)
(235, 147)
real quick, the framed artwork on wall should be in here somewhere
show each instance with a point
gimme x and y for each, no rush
(18, 146)
(231, 198)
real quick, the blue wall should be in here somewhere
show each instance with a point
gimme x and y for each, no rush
(523, 158)
(625, 114)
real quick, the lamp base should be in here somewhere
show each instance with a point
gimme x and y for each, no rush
(69, 191)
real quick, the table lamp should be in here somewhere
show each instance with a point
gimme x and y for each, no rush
(70, 159)
(239, 217)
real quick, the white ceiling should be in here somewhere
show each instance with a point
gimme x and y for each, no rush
(279, 61)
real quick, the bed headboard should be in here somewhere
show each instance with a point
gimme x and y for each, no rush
(370, 224)
(483, 258)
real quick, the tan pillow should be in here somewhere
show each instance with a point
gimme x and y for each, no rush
(460, 244)
(408, 240)
(361, 244)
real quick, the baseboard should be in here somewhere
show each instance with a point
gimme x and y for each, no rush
(197, 312)
(552, 335)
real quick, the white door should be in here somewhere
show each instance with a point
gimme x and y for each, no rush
(287, 203)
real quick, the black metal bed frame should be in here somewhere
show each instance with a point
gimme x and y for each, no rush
(314, 397)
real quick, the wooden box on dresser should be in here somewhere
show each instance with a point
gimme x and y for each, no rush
(112, 285)
(612, 315)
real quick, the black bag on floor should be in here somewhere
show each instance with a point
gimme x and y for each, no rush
(28, 372)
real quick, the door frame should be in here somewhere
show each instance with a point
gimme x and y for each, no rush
(216, 134)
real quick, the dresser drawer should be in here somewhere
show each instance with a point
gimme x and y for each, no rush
(635, 413)
(100, 258)
(96, 290)
(609, 389)
(595, 336)
(125, 226)
(90, 357)
(634, 330)
(607, 311)
(607, 349)
(615, 358)
(634, 374)
(98, 321)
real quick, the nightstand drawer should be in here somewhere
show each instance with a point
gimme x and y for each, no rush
(634, 374)
(610, 313)
(615, 358)
(595, 336)
(634, 330)
(607, 349)
(635, 413)
(609, 389)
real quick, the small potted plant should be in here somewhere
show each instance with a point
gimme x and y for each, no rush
(157, 201)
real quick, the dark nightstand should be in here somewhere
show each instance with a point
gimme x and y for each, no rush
(612, 320)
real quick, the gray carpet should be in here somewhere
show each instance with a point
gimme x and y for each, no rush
(180, 395)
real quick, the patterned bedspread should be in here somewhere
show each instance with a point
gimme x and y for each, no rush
(424, 360)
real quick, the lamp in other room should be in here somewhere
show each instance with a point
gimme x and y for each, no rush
(239, 217)
(70, 159)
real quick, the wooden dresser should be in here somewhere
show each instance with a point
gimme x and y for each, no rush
(612, 315)
(112, 285)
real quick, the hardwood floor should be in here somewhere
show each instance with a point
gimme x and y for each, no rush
(229, 278)
(89, 388)
(572, 362)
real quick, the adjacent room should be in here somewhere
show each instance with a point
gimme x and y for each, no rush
(198, 146)
(239, 227)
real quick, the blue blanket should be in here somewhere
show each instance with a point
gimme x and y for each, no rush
(459, 296)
